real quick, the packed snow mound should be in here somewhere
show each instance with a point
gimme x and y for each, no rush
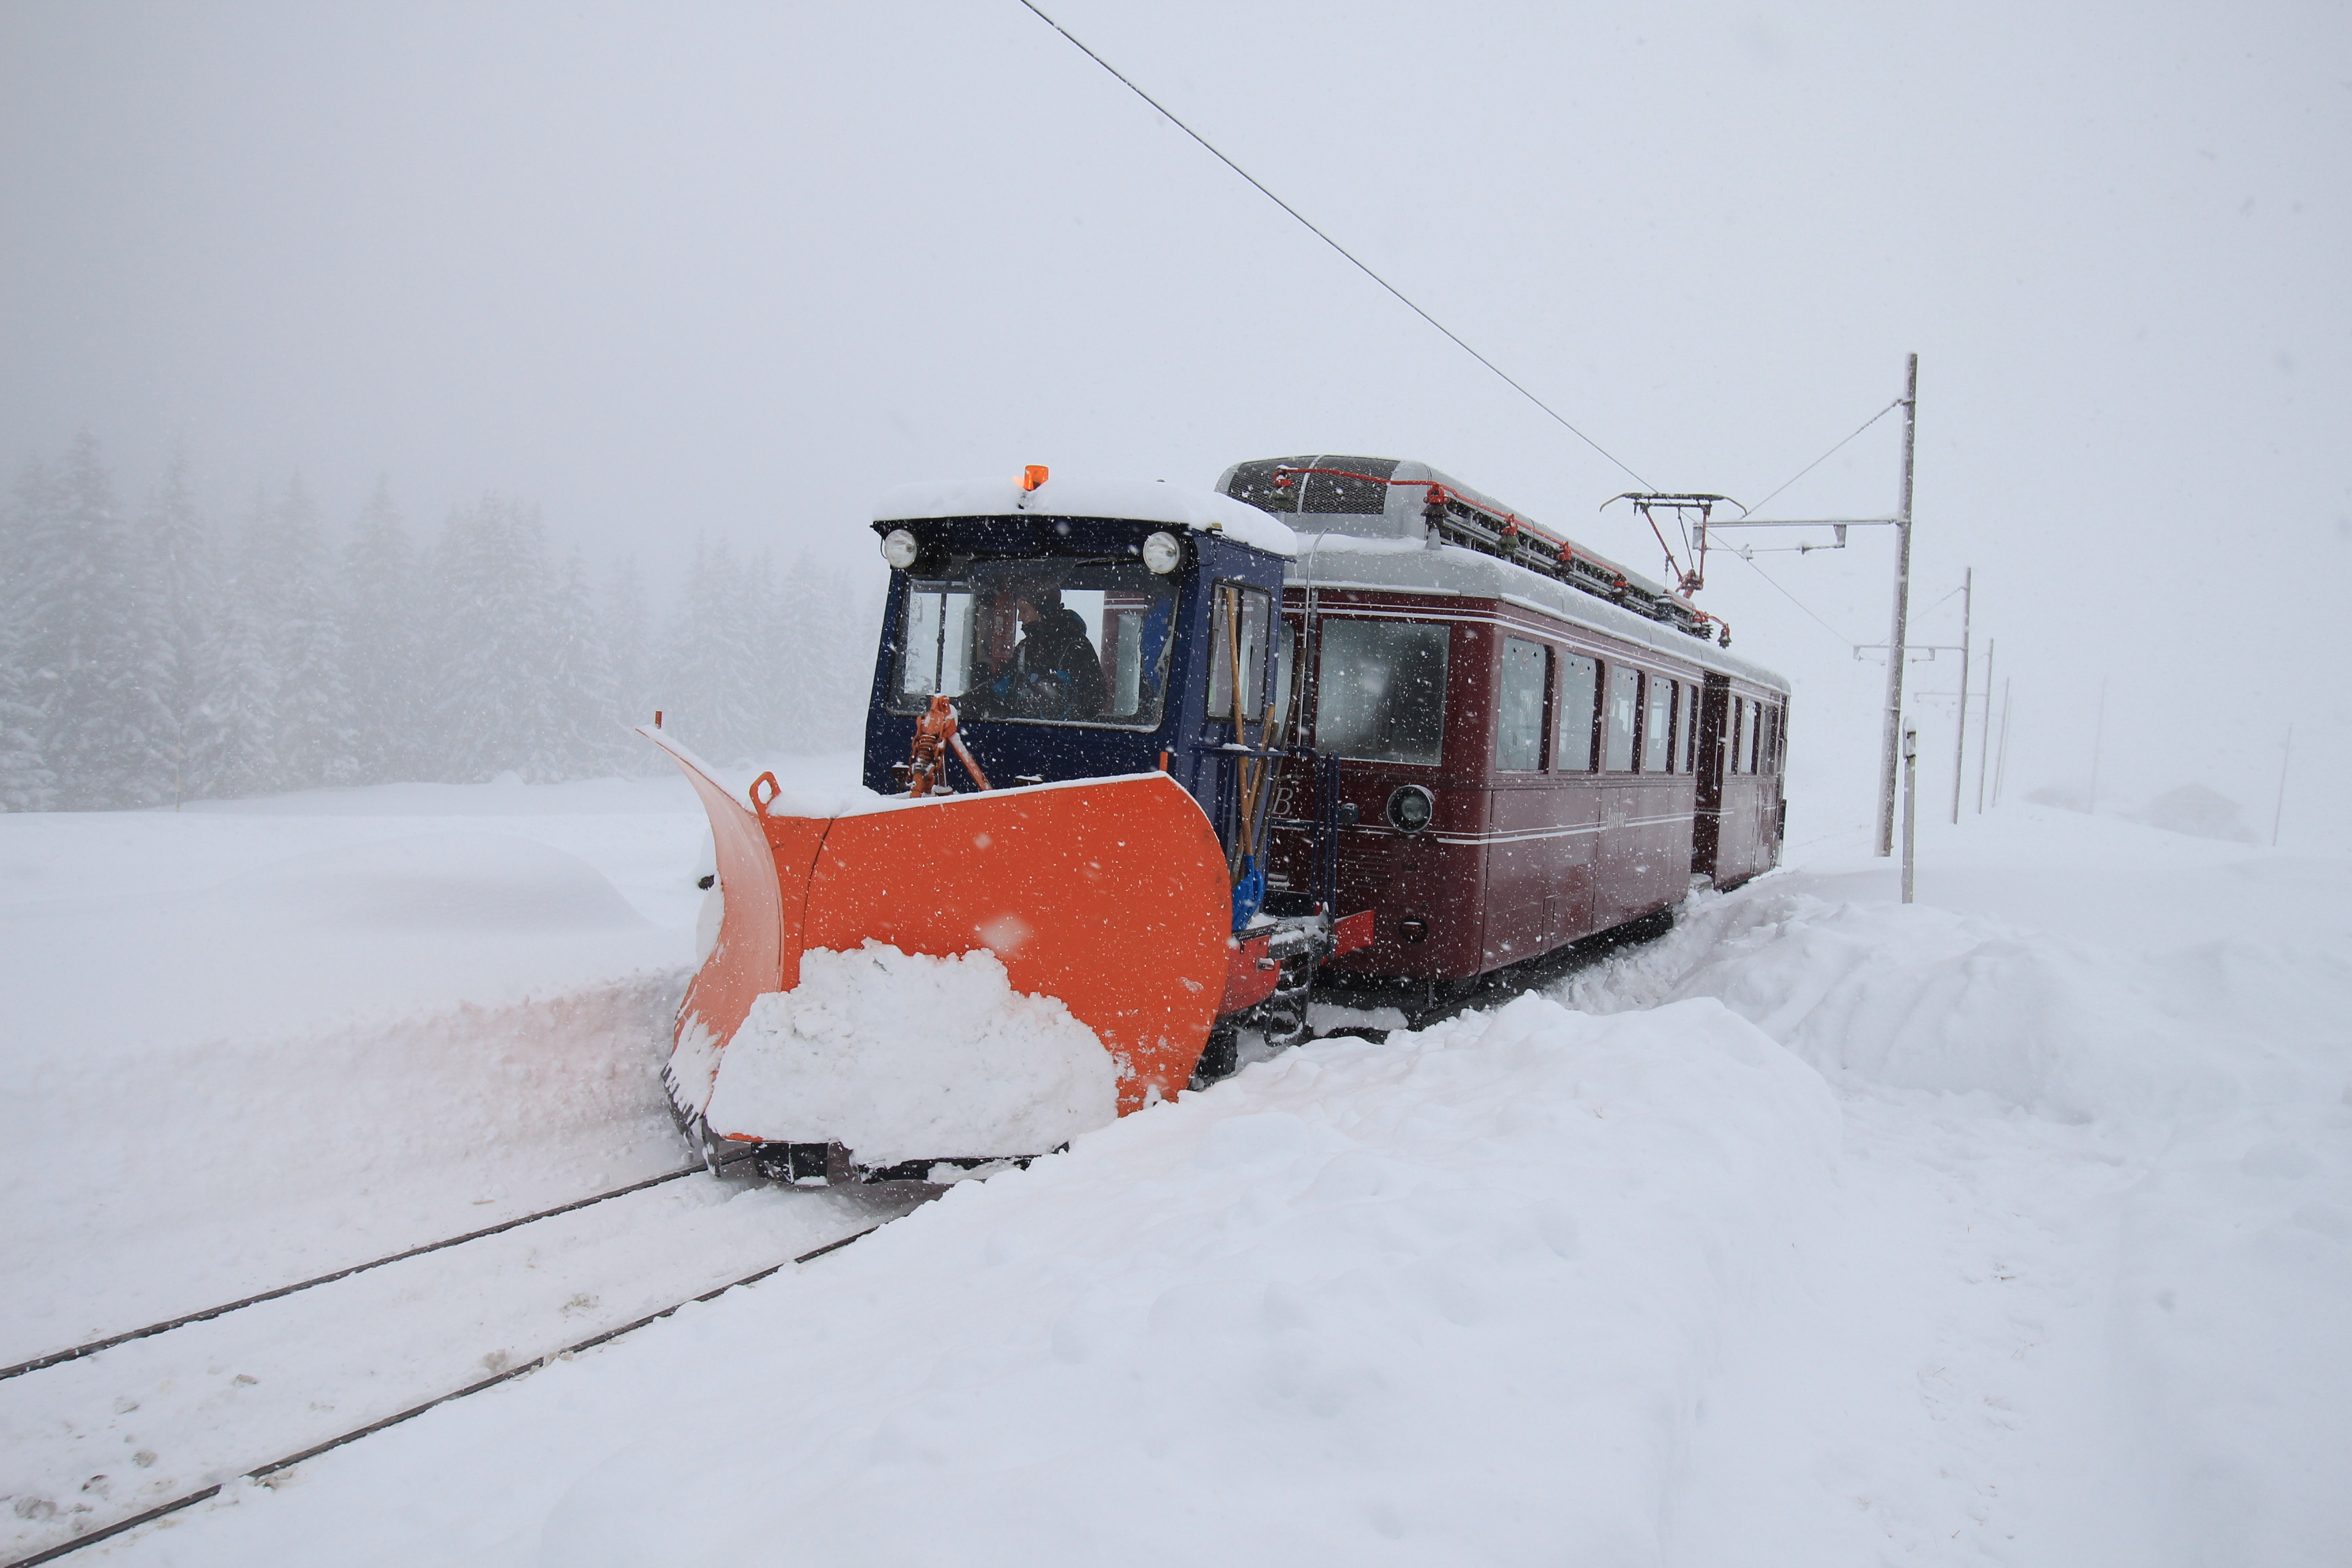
(1918, 997)
(901, 1056)
(1452, 1299)
(2199, 812)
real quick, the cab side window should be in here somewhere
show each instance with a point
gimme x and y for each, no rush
(1239, 616)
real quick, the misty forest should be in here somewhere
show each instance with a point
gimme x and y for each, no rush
(150, 654)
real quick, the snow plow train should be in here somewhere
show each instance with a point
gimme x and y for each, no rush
(1150, 769)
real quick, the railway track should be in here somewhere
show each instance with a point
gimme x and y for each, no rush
(58, 1358)
(77, 1359)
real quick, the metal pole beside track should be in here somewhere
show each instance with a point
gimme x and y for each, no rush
(2098, 738)
(1910, 808)
(2278, 810)
(1892, 733)
(2000, 765)
(1961, 729)
(1984, 736)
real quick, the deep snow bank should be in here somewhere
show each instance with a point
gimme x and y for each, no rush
(2213, 1077)
(1923, 998)
(1450, 1299)
(248, 1043)
(154, 1182)
(299, 923)
(903, 1055)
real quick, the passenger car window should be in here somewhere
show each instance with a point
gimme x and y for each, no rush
(1624, 715)
(1580, 691)
(1658, 727)
(1519, 716)
(1380, 692)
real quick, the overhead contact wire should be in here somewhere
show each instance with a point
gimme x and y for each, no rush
(1793, 599)
(1824, 458)
(1353, 260)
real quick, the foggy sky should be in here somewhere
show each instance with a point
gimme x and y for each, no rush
(676, 268)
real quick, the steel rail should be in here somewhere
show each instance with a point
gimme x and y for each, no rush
(58, 1358)
(51, 1554)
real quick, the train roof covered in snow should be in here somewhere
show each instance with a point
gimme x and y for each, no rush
(1403, 526)
(1395, 567)
(1138, 501)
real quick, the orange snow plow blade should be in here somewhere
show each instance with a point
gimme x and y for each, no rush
(1111, 895)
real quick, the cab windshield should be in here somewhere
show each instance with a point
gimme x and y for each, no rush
(1052, 641)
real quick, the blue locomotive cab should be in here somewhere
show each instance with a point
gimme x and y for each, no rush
(1081, 631)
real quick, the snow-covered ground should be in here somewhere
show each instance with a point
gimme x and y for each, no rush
(2014, 1226)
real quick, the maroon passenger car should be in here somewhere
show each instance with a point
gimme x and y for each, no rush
(1534, 745)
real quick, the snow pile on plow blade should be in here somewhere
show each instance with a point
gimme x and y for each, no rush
(1109, 895)
(899, 1055)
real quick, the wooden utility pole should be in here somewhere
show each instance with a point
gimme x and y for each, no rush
(1891, 735)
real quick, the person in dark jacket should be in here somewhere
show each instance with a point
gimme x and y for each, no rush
(1053, 673)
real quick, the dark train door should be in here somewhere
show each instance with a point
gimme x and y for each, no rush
(1706, 824)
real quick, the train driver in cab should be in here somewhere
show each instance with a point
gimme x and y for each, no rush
(1053, 672)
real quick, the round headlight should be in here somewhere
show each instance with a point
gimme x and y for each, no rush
(899, 549)
(1410, 807)
(1162, 553)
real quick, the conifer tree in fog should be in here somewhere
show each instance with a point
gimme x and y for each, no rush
(143, 661)
(179, 592)
(92, 669)
(491, 635)
(628, 654)
(232, 736)
(826, 618)
(584, 733)
(385, 658)
(291, 594)
(26, 783)
(718, 671)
